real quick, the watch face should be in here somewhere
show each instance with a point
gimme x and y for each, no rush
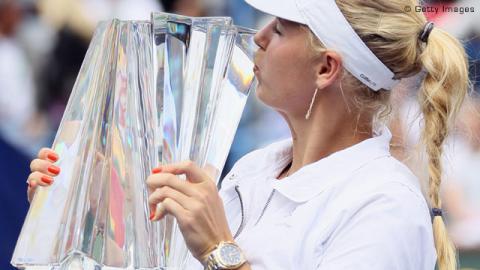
(230, 255)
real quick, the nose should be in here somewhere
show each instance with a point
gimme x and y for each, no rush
(261, 38)
(258, 40)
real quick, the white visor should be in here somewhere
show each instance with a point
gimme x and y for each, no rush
(326, 20)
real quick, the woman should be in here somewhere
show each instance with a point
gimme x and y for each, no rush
(331, 197)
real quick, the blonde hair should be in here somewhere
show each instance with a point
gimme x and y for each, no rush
(392, 34)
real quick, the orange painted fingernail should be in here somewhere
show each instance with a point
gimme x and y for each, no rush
(152, 215)
(47, 179)
(54, 169)
(53, 157)
(156, 170)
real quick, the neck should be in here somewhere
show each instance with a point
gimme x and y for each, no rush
(322, 135)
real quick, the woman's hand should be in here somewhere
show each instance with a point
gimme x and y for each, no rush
(195, 203)
(43, 171)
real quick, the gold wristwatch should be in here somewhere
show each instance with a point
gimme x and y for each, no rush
(226, 255)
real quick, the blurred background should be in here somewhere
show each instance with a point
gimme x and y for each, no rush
(43, 43)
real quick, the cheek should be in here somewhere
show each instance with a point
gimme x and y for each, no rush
(283, 78)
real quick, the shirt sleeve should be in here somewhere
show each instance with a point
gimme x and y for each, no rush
(389, 230)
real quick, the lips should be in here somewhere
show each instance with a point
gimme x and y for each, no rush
(256, 69)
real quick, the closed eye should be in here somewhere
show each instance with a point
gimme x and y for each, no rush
(275, 29)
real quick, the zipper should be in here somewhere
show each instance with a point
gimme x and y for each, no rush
(242, 209)
(265, 207)
(242, 223)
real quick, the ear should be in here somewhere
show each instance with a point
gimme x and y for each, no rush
(329, 69)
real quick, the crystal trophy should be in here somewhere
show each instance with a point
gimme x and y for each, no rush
(200, 112)
(148, 92)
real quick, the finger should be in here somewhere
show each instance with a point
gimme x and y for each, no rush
(48, 154)
(158, 212)
(167, 192)
(39, 179)
(34, 180)
(44, 166)
(159, 180)
(30, 192)
(193, 172)
(170, 206)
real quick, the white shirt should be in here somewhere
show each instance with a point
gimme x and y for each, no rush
(358, 208)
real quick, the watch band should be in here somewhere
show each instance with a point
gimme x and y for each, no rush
(211, 263)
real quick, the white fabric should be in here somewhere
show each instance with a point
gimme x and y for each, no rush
(17, 92)
(460, 164)
(357, 209)
(328, 23)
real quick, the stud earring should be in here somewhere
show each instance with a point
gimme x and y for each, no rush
(307, 116)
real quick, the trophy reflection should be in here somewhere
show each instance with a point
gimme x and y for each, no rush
(161, 91)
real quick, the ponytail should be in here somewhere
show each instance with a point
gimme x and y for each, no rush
(442, 93)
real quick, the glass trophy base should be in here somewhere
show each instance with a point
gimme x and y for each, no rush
(78, 261)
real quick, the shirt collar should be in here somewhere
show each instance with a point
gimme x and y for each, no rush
(259, 165)
(314, 178)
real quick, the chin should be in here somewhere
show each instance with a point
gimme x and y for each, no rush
(260, 93)
(263, 95)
